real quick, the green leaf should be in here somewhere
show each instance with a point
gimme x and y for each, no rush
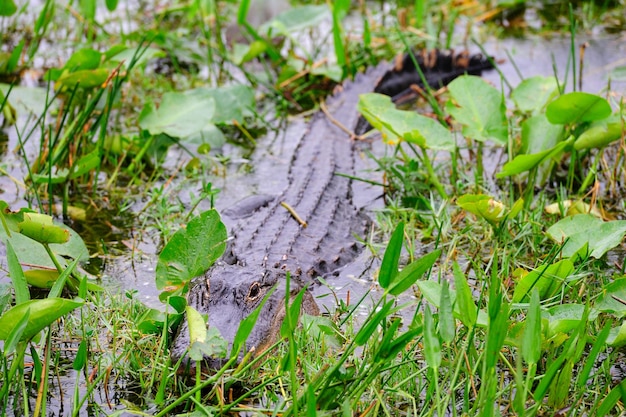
(16, 333)
(396, 124)
(447, 325)
(532, 94)
(531, 343)
(85, 164)
(111, 5)
(389, 265)
(412, 272)
(7, 8)
(479, 108)
(17, 276)
(613, 298)
(81, 356)
(600, 134)
(464, 300)
(483, 206)
(523, 163)
(40, 228)
(296, 19)
(577, 107)
(564, 318)
(432, 346)
(371, 324)
(179, 115)
(547, 280)
(235, 102)
(586, 229)
(83, 59)
(617, 336)
(539, 135)
(42, 314)
(190, 252)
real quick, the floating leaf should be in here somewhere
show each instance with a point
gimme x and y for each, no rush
(179, 115)
(42, 314)
(577, 107)
(564, 318)
(479, 108)
(532, 94)
(191, 251)
(410, 126)
(296, 19)
(586, 229)
(613, 298)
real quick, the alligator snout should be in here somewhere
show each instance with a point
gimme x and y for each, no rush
(229, 294)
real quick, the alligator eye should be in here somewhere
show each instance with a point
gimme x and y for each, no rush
(254, 292)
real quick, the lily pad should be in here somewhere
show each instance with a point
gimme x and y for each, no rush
(577, 107)
(396, 124)
(179, 115)
(532, 94)
(587, 230)
(479, 108)
(613, 298)
(190, 252)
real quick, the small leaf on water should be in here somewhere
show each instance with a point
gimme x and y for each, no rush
(577, 107)
(587, 230)
(191, 251)
(479, 107)
(179, 115)
(613, 298)
(532, 94)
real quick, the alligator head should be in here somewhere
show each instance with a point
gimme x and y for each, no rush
(230, 293)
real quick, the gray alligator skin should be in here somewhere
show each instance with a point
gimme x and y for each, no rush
(272, 241)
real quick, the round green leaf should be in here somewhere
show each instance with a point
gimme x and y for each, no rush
(577, 107)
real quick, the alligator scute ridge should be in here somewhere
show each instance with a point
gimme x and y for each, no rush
(271, 242)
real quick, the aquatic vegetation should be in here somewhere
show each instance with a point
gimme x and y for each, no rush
(501, 289)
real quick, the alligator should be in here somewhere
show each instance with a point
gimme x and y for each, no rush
(309, 230)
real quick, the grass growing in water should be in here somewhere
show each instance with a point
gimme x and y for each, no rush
(531, 325)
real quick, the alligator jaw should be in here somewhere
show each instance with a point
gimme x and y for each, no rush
(229, 294)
